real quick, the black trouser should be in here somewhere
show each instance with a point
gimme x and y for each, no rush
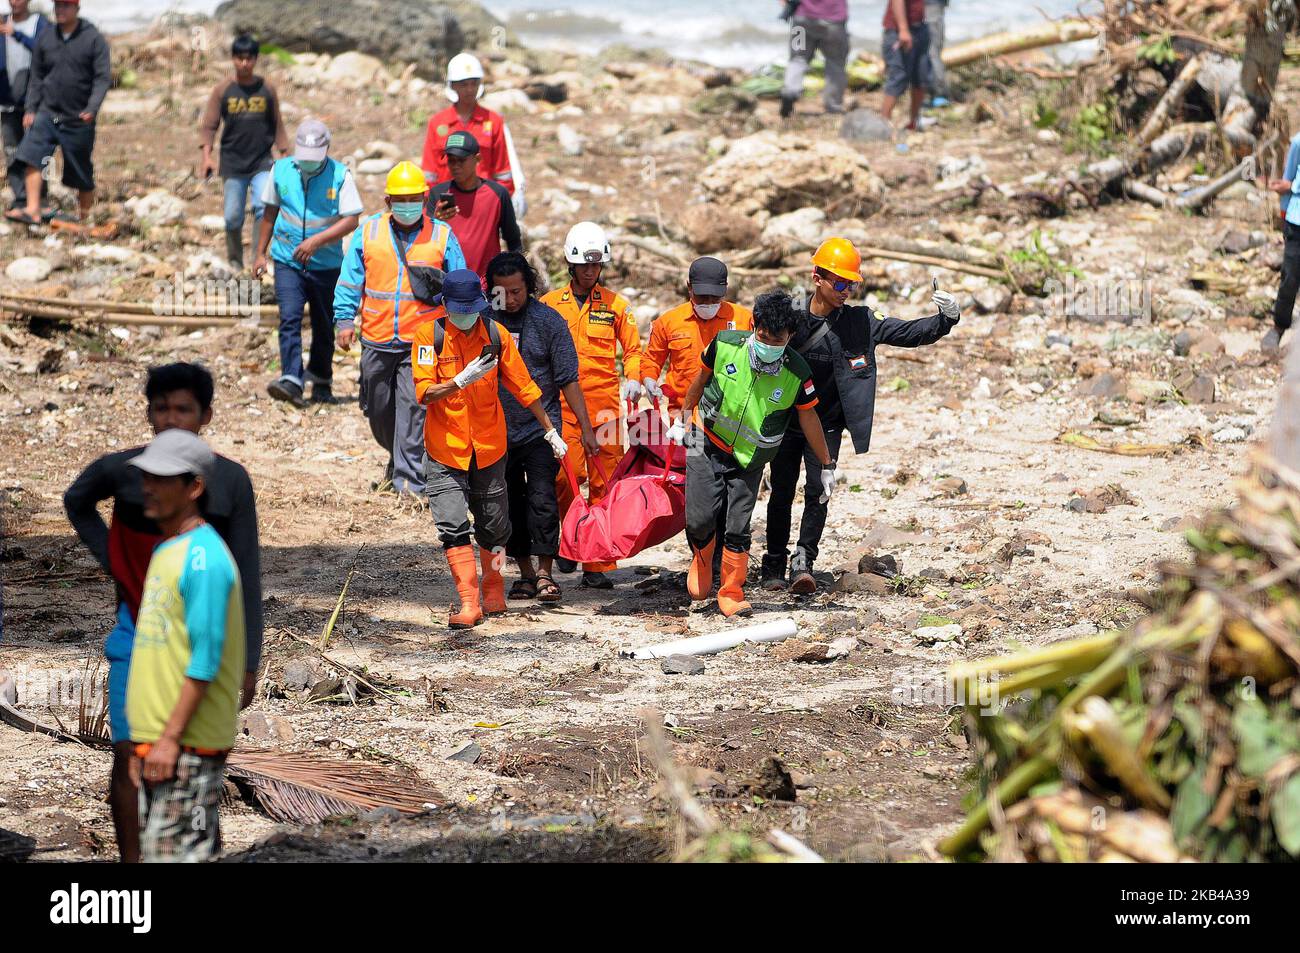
(1286, 292)
(531, 470)
(785, 480)
(714, 480)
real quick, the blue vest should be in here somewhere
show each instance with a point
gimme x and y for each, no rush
(303, 215)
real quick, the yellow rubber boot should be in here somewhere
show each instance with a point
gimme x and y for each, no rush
(731, 593)
(465, 574)
(700, 579)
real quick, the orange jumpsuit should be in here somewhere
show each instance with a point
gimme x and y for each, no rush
(678, 339)
(598, 327)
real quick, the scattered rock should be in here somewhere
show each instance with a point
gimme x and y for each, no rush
(682, 665)
(711, 227)
(28, 270)
(376, 166)
(951, 486)
(468, 754)
(1195, 388)
(355, 70)
(508, 101)
(1107, 384)
(799, 650)
(866, 125)
(267, 727)
(157, 207)
(781, 172)
(803, 226)
(298, 674)
(994, 299)
(570, 140)
(886, 565)
(1236, 240)
(1231, 434)
(932, 634)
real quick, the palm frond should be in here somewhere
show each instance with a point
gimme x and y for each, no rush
(306, 788)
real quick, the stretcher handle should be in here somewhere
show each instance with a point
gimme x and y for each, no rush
(592, 462)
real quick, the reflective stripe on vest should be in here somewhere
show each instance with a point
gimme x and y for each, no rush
(390, 313)
(307, 211)
(747, 411)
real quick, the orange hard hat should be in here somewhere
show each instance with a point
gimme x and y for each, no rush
(839, 257)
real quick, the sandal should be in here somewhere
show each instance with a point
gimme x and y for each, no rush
(547, 589)
(21, 217)
(525, 587)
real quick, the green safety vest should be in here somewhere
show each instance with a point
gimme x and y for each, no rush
(748, 411)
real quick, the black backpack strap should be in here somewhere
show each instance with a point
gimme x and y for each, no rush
(439, 335)
(814, 339)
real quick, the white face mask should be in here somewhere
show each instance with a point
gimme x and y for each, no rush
(463, 321)
(708, 311)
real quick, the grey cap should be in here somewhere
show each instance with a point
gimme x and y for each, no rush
(708, 276)
(311, 141)
(174, 453)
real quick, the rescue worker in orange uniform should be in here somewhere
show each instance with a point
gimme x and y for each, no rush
(376, 282)
(457, 360)
(678, 339)
(679, 336)
(600, 322)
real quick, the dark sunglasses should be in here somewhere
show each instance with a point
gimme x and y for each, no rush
(839, 284)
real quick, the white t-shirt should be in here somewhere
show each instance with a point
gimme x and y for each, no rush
(349, 196)
(17, 56)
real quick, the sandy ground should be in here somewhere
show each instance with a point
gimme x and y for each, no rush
(544, 691)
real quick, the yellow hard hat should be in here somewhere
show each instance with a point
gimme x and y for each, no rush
(406, 178)
(839, 257)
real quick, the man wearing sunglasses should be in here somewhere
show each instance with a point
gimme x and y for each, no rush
(838, 341)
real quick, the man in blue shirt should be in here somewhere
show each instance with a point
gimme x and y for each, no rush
(1286, 292)
(543, 338)
(312, 204)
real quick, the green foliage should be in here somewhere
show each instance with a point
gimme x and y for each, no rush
(1158, 52)
(282, 56)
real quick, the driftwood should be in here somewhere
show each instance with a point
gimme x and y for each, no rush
(119, 307)
(1170, 101)
(127, 320)
(1017, 41)
(1192, 198)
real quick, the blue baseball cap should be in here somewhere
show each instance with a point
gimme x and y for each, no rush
(462, 292)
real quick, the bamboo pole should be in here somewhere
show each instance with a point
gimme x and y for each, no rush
(1170, 101)
(127, 320)
(121, 307)
(1017, 41)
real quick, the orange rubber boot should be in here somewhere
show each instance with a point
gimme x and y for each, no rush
(731, 593)
(465, 574)
(700, 579)
(494, 587)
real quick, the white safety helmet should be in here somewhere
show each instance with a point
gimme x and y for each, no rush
(586, 244)
(462, 66)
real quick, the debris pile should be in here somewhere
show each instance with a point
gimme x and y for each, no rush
(1178, 738)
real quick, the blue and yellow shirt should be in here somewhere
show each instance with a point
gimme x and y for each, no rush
(191, 624)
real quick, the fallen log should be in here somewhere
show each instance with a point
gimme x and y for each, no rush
(120, 307)
(1170, 101)
(126, 320)
(1051, 33)
(1192, 199)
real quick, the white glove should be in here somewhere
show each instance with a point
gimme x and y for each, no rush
(558, 446)
(652, 388)
(676, 433)
(631, 391)
(828, 484)
(475, 370)
(946, 304)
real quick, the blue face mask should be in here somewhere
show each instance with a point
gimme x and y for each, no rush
(767, 353)
(309, 168)
(408, 213)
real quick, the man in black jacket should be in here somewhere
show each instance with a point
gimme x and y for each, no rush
(839, 343)
(71, 71)
(179, 397)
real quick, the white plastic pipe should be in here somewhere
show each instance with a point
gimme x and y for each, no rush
(776, 631)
